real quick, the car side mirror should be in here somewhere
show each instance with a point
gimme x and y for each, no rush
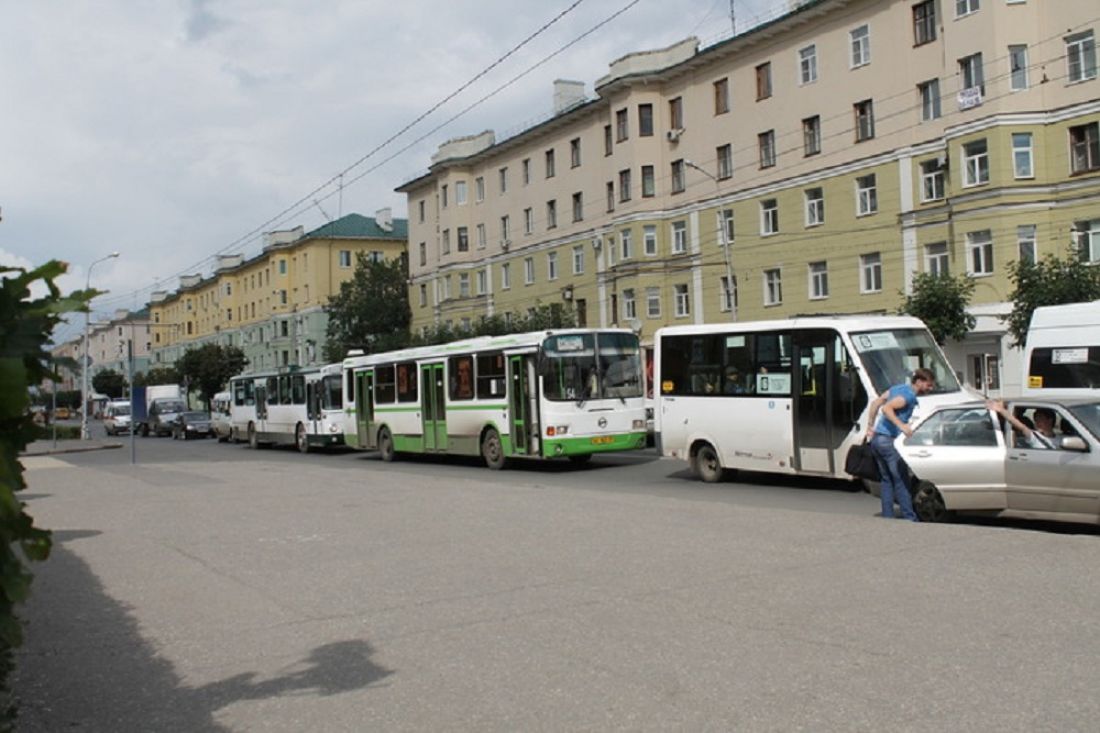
(1074, 443)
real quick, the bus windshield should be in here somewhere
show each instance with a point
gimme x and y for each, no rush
(891, 356)
(332, 397)
(585, 366)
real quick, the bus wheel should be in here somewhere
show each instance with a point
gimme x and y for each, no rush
(253, 439)
(928, 503)
(706, 464)
(300, 439)
(580, 459)
(492, 451)
(385, 445)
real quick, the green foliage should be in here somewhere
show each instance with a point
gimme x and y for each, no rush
(1050, 281)
(940, 301)
(25, 327)
(66, 398)
(371, 311)
(539, 318)
(110, 383)
(208, 368)
(158, 375)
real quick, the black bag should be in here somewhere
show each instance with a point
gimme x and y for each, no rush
(861, 462)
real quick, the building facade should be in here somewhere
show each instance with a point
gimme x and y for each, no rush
(118, 344)
(813, 164)
(271, 306)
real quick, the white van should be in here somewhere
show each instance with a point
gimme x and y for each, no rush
(219, 416)
(1062, 352)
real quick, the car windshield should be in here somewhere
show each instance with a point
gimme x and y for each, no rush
(120, 410)
(1089, 414)
(587, 366)
(195, 416)
(171, 407)
(891, 356)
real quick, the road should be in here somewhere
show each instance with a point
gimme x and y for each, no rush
(212, 587)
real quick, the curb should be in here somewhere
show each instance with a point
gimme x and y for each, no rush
(80, 449)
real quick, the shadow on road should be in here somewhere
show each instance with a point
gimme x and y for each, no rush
(84, 664)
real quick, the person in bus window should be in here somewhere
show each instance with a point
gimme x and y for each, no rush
(734, 382)
(896, 406)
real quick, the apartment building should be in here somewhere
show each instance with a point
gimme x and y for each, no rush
(272, 305)
(813, 164)
(115, 344)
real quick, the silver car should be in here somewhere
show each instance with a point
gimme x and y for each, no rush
(968, 458)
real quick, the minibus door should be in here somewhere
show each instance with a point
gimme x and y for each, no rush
(813, 397)
(433, 413)
(364, 408)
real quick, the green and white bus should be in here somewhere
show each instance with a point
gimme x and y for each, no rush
(563, 393)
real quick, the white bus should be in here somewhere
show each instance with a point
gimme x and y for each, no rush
(785, 396)
(295, 406)
(1062, 352)
(562, 393)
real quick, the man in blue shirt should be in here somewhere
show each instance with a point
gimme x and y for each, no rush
(896, 406)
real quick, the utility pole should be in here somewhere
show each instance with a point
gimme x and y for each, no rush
(84, 435)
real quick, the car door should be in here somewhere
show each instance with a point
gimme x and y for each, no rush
(1054, 479)
(961, 451)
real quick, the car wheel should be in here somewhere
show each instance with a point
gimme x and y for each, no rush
(928, 503)
(580, 459)
(706, 464)
(301, 439)
(385, 445)
(492, 450)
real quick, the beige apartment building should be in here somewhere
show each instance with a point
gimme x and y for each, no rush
(122, 342)
(813, 164)
(272, 305)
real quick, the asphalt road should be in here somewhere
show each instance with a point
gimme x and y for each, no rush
(212, 587)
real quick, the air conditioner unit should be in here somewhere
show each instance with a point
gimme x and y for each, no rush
(673, 135)
(505, 244)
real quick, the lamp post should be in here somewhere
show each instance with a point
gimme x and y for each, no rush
(84, 363)
(725, 240)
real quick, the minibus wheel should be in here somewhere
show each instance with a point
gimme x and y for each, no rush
(706, 464)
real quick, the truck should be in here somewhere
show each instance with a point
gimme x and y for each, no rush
(1062, 351)
(163, 404)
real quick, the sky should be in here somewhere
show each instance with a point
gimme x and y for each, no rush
(172, 130)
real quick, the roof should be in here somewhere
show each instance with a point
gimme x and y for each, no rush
(359, 226)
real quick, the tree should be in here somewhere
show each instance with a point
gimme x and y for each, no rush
(25, 326)
(208, 368)
(157, 375)
(109, 382)
(371, 311)
(940, 301)
(1051, 281)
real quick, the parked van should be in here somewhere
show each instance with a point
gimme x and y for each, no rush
(116, 417)
(1062, 352)
(221, 422)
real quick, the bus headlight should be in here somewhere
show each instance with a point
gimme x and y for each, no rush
(333, 428)
(552, 430)
(639, 424)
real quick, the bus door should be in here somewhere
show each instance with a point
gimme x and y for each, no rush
(520, 426)
(261, 405)
(433, 409)
(814, 396)
(313, 405)
(364, 408)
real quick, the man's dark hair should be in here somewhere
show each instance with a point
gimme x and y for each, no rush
(923, 375)
(1045, 412)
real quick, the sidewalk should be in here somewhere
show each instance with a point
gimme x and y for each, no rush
(48, 447)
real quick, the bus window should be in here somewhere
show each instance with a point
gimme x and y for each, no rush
(490, 375)
(406, 382)
(238, 394)
(1076, 367)
(284, 390)
(272, 390)
(568, 367)
(620, 364)
(384, 387)
(298, 390)
(349, 386)
(726, 364)
(461, 371)
(889, 358)
(250, 393)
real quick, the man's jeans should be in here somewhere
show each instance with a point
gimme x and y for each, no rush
(894, 485)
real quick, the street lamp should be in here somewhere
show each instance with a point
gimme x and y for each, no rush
(724, 238)
(84, 364)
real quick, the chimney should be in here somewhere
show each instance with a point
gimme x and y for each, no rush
(567, 94)
(228, 262)
(189, 281)
(384, 219)
(285, 236)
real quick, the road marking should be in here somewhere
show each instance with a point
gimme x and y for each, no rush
(35, 463)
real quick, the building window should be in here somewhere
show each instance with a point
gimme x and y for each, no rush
(502, 176)
(624, 185)
(575, 152)
(423, 295)
(505, 276)
(443, 195)
(1088, 240)
(420, 210)
(578, 260)
(550, 163)
(525, 171)
(649, 186)
(463, 240)
(727, 295)
(966, 7)
(819, 280)
(1017, 65)
(865, 120)
(680, 296)
(1025, 243)
(924, 22)
(815, 207)
(769, 217)
(811, 135)
(649, 240)
(607, 145)
(724, 155)
(971, 73)
(653, 302)
(807, 64)
(975, 163)
(479, 188)
(766, 143)
(529, 270)
(676, 113)
(551, 213)
(677, 176)
(482, 282)
(630, 305)
(866, 195)
(931, 180)
(870, 266)
(979, 246)
(610, 249)
(578, 207)
(773, 287)
(610, 196)
(1084, 142)
(725, 227)
(929, 93)
(528, 220)
(446, 236)
(345, 260)
(423, 248)
(282, 266)
(763, 81)
(1022, 163)
(860, 41)
(505, 230)
(627, 244)
(622, 125)
(721, 96)
(464, 285)
(552, 266)
(936, 260)
(645, 120)
(481, 236)
(679, 237)
(460, 193)
(1081, 56)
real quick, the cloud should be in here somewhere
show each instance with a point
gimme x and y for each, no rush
(201, 23)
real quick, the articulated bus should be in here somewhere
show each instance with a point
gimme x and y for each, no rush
(784, 396)
(562, 393)
(295, 406)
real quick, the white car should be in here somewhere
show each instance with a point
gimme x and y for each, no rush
(116, 417)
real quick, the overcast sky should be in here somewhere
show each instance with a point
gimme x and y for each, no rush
(170, 130)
